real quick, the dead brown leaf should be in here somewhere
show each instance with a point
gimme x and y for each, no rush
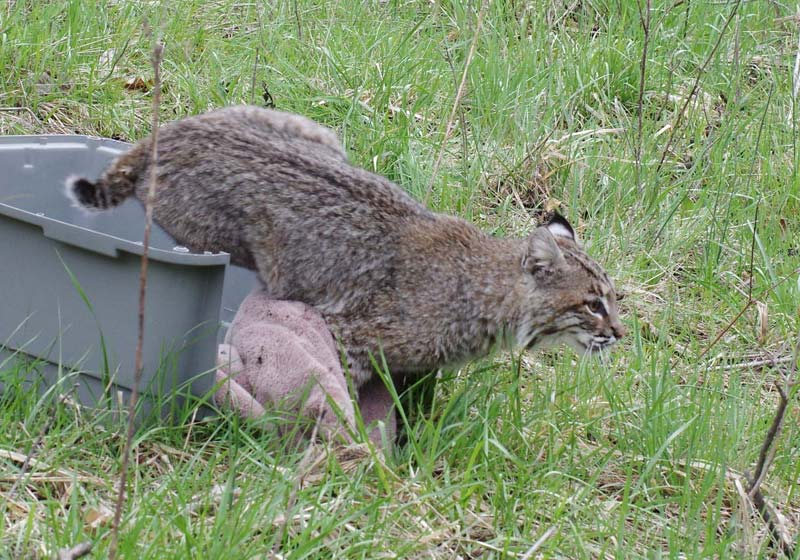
(98, 516)
(137, 83)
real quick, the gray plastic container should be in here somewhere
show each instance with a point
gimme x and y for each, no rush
(69, 282)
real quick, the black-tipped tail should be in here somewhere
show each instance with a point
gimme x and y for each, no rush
(85, 194)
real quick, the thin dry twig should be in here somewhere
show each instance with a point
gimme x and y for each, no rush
(461, 117)
(767, 452)
(27, 110)
(770, 514)
(696, 85)
(158, 51)
(538, 544)
(742, 311)
(54, 474)
(759, 363)
(750, 299)
(790, 383)
(77, 551)
(297, 19)
(459, 94)
(564, 14)
(776, 524)
(533, 152)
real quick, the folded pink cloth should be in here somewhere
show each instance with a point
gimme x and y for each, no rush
(282, 355)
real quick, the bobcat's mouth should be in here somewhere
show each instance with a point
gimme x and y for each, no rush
(585, 343)
(580, 341)
(598, 344)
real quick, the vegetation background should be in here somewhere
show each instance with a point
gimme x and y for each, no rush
(666, 131)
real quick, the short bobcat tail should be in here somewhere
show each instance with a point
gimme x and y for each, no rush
(116, 184)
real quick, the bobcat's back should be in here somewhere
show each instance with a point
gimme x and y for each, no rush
(391, 278)
(273, 189)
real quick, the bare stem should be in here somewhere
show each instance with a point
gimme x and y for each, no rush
(696, 85)
(767, 450)
(750, 300)
(765, 457)
(158, 51)
(297, 19)
(747, 306)
(461, 117)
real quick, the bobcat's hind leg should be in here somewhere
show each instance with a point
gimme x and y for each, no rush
(377, 411)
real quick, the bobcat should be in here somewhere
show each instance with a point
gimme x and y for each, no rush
(390, 277)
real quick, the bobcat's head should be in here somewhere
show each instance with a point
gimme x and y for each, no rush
(570, 297)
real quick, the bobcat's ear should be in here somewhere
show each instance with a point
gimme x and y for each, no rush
(559, 226)
(543, 252)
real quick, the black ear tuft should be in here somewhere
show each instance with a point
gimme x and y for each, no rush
(560, 227)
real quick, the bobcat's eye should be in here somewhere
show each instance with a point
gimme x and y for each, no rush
(597, 307)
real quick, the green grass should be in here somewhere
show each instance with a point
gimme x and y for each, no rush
(617, 459)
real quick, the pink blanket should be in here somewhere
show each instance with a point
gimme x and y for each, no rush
(281, 355)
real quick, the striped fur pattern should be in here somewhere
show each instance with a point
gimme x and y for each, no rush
(587, 318)
(394, 280)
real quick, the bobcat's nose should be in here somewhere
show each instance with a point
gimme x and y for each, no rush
(618, 329)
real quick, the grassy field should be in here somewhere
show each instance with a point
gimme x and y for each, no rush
(683, 181)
